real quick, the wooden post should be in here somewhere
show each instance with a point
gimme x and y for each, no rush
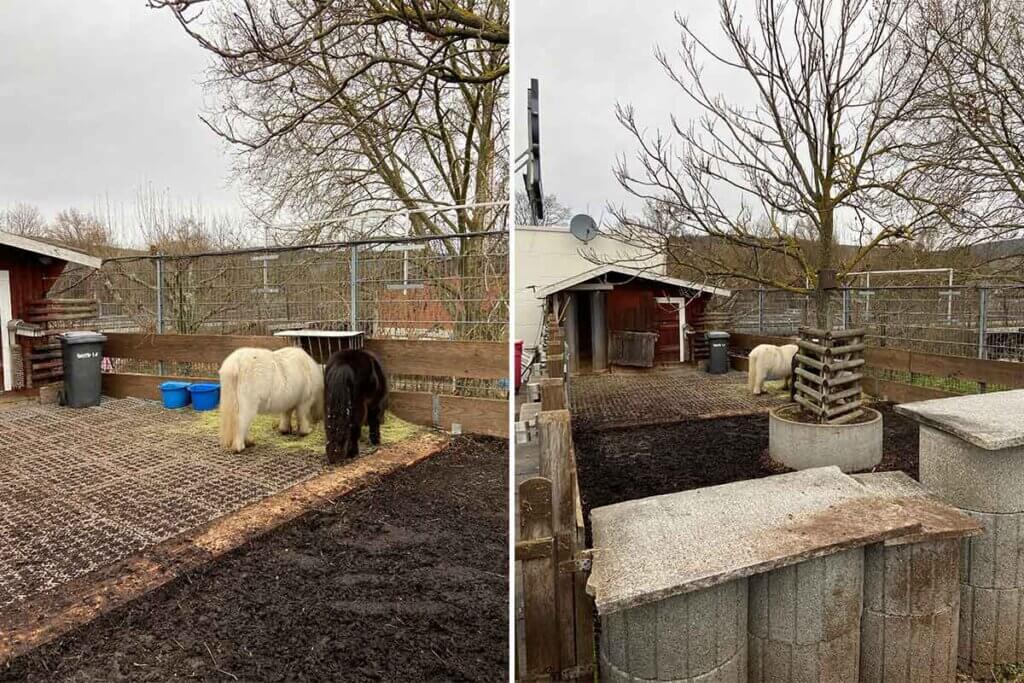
(536, 551)
(552, 393)
(556, 465)
(598, 332)
(572, 339)
(555, 350)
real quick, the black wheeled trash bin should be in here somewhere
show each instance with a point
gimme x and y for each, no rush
(718, 346)
(82, 353)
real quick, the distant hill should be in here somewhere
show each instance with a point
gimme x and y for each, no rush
(999, 249)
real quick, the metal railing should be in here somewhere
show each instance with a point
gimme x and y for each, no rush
(450, 287)
(965, 321)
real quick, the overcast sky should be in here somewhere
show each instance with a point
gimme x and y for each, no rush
(589, 55)
(97, 98)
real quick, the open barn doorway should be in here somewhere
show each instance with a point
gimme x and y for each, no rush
(6, 352)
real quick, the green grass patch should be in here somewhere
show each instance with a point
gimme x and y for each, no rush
(952, 385)
(264, 431)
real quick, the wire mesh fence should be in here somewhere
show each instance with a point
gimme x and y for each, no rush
(441, 288)
(958, 321)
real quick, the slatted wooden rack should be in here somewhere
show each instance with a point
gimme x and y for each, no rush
(829, 370)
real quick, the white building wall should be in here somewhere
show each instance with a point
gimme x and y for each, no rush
(545, 255)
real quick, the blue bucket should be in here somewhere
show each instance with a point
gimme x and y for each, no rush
(205, 396)
(175, 394)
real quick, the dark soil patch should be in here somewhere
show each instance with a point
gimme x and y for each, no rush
(403, 580)
(624, 464)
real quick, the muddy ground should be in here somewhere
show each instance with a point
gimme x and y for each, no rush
(616, 465)
(403, 580)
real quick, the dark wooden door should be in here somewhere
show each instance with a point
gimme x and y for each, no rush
(666, 349)
(631, 310)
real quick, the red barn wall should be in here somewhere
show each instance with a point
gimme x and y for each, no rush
(30, 278)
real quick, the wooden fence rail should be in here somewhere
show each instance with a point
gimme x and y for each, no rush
(471, 360)
(984, 372)
(558, 614)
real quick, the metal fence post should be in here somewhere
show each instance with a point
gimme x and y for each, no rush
(760, 310)
(982, 323)
(846, 308)
(160, 304)
(982, 319)
(353, 310)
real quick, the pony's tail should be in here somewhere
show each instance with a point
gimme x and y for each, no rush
(228, 403)
(339, 388)
(751, 371)
(382, 384)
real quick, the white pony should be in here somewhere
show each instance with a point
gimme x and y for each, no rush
(258, 381)
(770, 362)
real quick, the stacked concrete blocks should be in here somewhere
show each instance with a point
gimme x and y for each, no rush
(808, 576)
(696, 637)
(972, 455)
(804, 620)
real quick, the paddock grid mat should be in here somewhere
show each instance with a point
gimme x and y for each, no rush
(82, 488)
(621, 399)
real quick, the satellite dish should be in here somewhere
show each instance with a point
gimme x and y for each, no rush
(583, 227)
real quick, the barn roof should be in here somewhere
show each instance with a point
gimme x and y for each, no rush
(629, 272)
(47, 249)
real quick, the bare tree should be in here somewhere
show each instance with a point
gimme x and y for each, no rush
(555, 213)
(23, 219)
(970, 122)
(79, 230)
(816, 156)
(346, 108)
(343, 109)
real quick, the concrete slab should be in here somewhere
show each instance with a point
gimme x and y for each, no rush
(971, 477)
(649, 549)
(991, 421)
(938, 519)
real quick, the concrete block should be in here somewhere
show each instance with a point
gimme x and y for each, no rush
(990, 421)
(804, 621)
(696, 636)
(994, 559)
(830, 660)
(650, 549)
(912, 579)
(991, 629)
(969, 476)
(911, 611)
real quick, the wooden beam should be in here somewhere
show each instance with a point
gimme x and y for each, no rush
(1006, 373)
(556, 465)
(538, 576)
(552, 393)
(590, 287)
(487, 416)
(473, 360)
(184, 348)
(897, 392)
(124, 385)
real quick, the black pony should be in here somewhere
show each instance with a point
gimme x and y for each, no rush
(355, 390)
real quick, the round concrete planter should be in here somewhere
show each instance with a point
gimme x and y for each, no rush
(800, 446)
